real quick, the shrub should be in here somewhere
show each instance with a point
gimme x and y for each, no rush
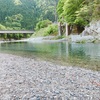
(51, 29)
(21, 36)
(16, 36)
(39, 33)
(2, 27)
(9, 36)
(28, 35)
(42, 24)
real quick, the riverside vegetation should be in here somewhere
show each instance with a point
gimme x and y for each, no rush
(43, 13)
(24, 14)
(78, 16)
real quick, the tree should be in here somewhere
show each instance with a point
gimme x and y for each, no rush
(96, 10)
(67, 12)
(48, 9)
(5, 9)
(14, 21)
(69, 9)
(60, 10)
(2, 27)
(32, 11)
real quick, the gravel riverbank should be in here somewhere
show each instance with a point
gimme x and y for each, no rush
(30, 79)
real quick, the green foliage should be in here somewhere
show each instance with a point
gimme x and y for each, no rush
(84, 14)
(39, 33)
(32, 11)
(9, 36)
(16, 36)
(17, 2)
(2, 27)
(60, 9)
(96, 10)
(70, 7)
(19, 36)
(78, 12)
(51, 29)
(81, 16)
(42, 24)
(14, 21)
(28, 35)
(48, 9)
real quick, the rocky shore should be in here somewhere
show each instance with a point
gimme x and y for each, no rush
(31, 79)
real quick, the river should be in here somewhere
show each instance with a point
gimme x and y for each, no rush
(64, 53)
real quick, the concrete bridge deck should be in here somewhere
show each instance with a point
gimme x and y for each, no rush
(15, 31)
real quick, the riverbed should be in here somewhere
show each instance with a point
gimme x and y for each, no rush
(24, 78)
(62, 53)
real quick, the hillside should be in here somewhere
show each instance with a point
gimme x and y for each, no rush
(24, 14)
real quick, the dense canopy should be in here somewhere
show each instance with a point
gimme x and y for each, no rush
(79, 12)
(24, 14)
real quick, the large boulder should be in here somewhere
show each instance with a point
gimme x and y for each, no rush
(90, 34)
(93, 29)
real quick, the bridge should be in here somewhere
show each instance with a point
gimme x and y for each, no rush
(15, 31)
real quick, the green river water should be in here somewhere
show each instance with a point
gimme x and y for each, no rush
(63, 53)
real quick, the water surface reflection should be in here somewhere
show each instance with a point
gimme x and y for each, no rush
(64, 53)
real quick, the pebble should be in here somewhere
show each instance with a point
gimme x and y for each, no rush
(31, 79)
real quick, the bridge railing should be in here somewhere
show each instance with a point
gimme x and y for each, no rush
(17, 31)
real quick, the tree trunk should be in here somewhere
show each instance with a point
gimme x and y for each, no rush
(66, 29)
(59, 29)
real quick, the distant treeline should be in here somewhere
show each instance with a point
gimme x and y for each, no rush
(24, 14)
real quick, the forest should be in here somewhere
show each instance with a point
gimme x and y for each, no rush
(28, 14)
(78, 13)
(24, 14)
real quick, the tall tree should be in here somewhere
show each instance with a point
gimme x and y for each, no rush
(78, 12)
(70, 7)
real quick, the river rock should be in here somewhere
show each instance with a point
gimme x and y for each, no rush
(20, 80)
